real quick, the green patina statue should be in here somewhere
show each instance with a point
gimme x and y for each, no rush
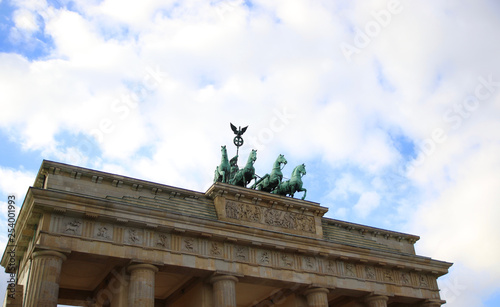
(229, 172)
(246, 174)
(293, 185)
(222, 171)
(269, 182)
(234, 167)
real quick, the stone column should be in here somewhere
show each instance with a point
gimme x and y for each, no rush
(142, 285)
(317, 297)
(224, 290)
(43, 282)
(377, 301)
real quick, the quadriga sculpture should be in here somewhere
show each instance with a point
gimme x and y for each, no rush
(293, 185)
(269, 182)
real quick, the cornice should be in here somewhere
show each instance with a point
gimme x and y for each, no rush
(49, 168)
(373, 231)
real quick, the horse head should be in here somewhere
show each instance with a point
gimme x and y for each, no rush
(253, 155)
(300, 170)
(281, 159)
(223, 150)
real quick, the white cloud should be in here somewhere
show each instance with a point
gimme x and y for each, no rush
(15, 182)
(226, 62)
(25, 20)
(368, 202)
(346, 184)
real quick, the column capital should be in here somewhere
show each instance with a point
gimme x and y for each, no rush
(45, 253)
(317, 297)
(217, 278)
(316, 290)
(375, 300)
(144, 266)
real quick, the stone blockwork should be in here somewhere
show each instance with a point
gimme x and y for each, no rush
(207, 245)
(166, 242)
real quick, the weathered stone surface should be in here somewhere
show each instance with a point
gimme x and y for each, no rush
(128, 240)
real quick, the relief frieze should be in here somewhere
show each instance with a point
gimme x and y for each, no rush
(331, 267)
(134, 236)
(73, 227)
(370, 272)
(271, 217)
(216, 249)
(405, 278)
(388, 275)
(264, 257)
(189, 245)
(422, 280)
(309, 263)
(350, 270)
(103, 231)
(345, 268)
(162, 240)
(241, 253)
(286, 260)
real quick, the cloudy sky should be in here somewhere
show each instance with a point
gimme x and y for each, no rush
(393, 106)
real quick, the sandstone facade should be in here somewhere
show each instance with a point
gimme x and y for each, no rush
(89, 238)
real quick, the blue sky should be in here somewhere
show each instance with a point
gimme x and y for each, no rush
(393, 106)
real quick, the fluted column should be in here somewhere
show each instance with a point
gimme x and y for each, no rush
(317, 297)
(43, 283)
(377, 301)
(142, 285)
(224, 290)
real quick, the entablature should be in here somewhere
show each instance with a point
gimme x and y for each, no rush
(95, 218)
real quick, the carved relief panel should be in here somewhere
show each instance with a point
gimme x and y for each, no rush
(103, 231)
(134, 236)
(264, 257)
(270, 217)
(286, 260)
(216, 249)
(72, 226)
(309, 263)
(350, 269)
(330, 266)
(162, 240)
(189, 244)
(240, 253)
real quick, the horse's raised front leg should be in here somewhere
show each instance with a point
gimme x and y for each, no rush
(305, 192)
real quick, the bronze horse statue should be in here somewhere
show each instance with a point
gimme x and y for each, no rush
(269, 182)
(293, 185)
(246, 174)
(222, 171)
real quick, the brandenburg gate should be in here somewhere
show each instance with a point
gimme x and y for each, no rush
(90, 238)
